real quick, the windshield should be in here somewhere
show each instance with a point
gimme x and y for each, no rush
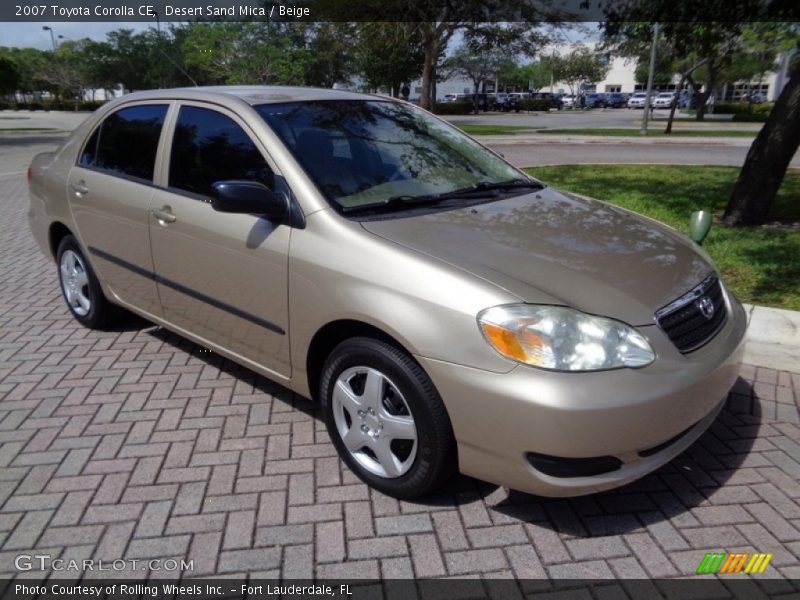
(361, 152)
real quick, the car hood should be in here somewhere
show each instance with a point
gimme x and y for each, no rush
(554, 247)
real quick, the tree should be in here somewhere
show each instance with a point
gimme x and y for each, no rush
(688, 31)
(30, 64)
(9, 76)
(388, 55)
(330, 56)
(773, 148)
(438, 23)
(477, 66)
(534, 75)
(579, 66)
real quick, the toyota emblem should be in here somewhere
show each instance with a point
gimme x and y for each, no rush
(705, 306)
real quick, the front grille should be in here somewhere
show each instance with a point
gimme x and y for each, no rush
(685, 321)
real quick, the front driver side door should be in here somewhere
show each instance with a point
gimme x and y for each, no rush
(221, 276)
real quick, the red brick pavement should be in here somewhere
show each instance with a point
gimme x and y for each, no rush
(133, 444)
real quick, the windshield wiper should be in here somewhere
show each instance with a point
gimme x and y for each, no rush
(508, 185)
(481, 189)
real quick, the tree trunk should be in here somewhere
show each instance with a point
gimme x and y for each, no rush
(674, 106)
(767, 160)
(430, 44)
(710, 84)
(686, 77)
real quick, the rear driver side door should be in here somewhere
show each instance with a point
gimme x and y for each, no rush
(221, 276)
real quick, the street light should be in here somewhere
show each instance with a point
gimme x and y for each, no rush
(52, 36)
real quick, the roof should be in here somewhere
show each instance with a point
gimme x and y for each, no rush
(262, 94)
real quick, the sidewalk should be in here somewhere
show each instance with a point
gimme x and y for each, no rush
(773, 338)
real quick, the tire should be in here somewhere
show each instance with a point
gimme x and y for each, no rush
(374, 432)
(80, 287)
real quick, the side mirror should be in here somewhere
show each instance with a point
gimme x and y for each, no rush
(250, 197)
(699, 225)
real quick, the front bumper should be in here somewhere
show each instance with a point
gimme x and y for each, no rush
(498, 418)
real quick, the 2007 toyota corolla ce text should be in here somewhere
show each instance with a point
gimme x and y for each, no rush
(446, 310)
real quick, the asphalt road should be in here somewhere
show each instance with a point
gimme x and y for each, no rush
(533, 155)
(598, 118)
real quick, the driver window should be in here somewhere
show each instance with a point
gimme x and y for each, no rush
(207, 147)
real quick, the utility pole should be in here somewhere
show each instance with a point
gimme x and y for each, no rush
(647, 100)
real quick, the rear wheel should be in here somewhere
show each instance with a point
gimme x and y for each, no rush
(80, 287)
(386, 419)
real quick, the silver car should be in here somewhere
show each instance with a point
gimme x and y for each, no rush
(447, 311)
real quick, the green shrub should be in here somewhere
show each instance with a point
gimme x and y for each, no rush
(750, 118)
(90, 105)
(534, 104)
(741, 108)
(453, 108)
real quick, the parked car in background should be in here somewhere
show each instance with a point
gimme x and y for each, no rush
(664, 100)
(616, 100)
(446, 311)
(595, 100)
(637, 100)
(553, 98)
(753, 98)
(568, 101)
(498, 98)
(505, 102)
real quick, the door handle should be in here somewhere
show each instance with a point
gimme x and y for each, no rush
(164, 215)
(79, 188)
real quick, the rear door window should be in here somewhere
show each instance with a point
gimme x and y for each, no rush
(126, 142)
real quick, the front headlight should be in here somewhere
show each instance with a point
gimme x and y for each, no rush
(563, 339)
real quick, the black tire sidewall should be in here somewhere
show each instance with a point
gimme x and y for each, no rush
(99, 305)
(434, 440)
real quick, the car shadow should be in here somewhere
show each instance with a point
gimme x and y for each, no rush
(689, 480)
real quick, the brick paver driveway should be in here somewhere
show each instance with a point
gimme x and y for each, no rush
(134, 444)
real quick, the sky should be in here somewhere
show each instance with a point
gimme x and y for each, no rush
(31, 35)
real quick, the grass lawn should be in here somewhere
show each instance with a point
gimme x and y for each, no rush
(471, 129)
(761, 265)
(657, 132)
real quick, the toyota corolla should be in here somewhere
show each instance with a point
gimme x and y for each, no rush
(447, 311)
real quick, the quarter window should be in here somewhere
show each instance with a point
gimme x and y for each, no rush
(126, 142)
(208, 147)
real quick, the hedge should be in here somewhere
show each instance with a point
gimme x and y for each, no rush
(744, 113)
(453, 108)
(85, 105)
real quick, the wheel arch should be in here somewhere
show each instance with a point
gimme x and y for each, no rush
(57, 232)
(331, 335)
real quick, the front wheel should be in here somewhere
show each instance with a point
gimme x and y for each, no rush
(386, 419)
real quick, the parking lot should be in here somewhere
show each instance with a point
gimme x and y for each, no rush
(135, 444)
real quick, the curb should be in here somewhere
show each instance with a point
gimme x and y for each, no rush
(773, 338)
